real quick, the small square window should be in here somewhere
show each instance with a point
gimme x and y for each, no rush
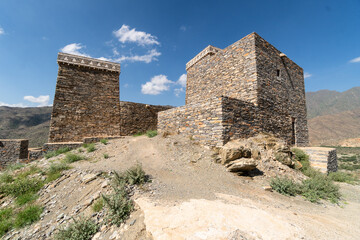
(278, 72)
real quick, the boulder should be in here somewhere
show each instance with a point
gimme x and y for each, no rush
(241, 165)
(233, 150)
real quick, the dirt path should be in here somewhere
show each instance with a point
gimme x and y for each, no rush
(192, 197)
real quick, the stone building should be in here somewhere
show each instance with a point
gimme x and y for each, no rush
(237, 92)
(87, 103)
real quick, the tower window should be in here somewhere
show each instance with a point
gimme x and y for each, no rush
(278, 72)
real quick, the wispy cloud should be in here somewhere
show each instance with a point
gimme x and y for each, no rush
(157, 85)
(307, 75)
(74, 48)
(147, 58)
(12, 105)
(41, 100)
(182, 82)
(125, 34)
(183, 28)
(2, 31)
(355, 60)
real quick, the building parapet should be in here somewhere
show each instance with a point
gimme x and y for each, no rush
(88, 62)
(208, 50)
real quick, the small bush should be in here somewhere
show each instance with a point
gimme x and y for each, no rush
(300, 155)
(26, 198)
(5, 226)
(135, 175)
(6, 178)
(349, 167)
(342, 177)
(27, 216)
(57, 152)
(15, 166)
(55, 170)
(285, 186)
(320, 187)
(119, 205)
(21, 186)
(72, 157)
(106, 156)
(104, 141)
(91, 147)
(151, 133)
(82, 229)
(80, 150)
(98, 205)
(138, 134)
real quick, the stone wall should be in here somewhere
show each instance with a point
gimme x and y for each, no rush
(201, 122)
(86, 101)
(49, 147)
(13, 150)
(322, 159)
(269, 88)
(229, 72)
(138, 117)
(216, 121)
(281, 94)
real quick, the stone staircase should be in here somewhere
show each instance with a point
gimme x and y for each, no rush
(322, 159)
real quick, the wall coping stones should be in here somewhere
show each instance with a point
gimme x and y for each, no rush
(208, 50)
(88, 62)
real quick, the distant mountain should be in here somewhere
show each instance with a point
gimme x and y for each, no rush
(333, 116)
(29, 123)
(325, 102)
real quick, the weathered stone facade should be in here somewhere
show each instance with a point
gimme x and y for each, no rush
(13, 151)
(258, 87)
(138, 117)
(86, 101)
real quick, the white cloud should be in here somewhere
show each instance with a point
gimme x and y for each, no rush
(74, 48)
(105, 59)
(307, 75)
(157, 85)
(183, 28)
(12, 105)
(182, 80)
(147, 58)
(125, 34)
(42, 100)
(115, 52)
(177, 91)
(2, 31)
(355, 60)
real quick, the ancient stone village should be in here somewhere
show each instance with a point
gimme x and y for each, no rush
(244, 122)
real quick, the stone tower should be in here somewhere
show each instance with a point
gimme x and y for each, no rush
(87, 101)
(247, 88)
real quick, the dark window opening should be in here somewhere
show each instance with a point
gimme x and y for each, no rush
(293, 140)
(278, 72)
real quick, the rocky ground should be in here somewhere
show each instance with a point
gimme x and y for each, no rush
(190, 196)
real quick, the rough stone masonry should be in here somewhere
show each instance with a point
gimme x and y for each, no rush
(237, 92)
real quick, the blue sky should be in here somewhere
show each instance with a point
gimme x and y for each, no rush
(153, 40)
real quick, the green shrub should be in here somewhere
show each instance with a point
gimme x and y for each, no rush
(57, 152)
(27, 216)
(21, 186)
(349, 167)
(106, 156)
(135, 175)
(104, 141)
(91, 147)
(342, 177)
(15, 166)
(320, 187)
(151, 133)
(138, 134)
(72, 157)
(119, 205)
(98, 205)
(5, 226)
(300, 155)
(82, 229)
(284, 186)
(6, 178)
(26, 198)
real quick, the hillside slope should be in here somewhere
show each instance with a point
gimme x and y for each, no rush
(330, 129)
(326, 102)
(30, 123)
